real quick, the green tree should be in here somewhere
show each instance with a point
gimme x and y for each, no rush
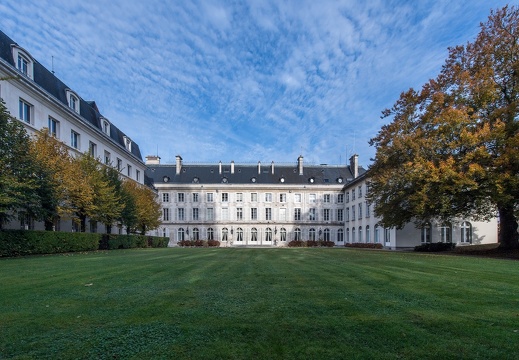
(17, 180)
(147, 208)
(452, 149)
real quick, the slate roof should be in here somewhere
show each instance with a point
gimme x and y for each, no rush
(244, 174)
(51, 84)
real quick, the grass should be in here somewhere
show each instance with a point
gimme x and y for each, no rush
(258, 304)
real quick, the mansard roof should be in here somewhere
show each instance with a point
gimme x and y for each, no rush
(47, 81)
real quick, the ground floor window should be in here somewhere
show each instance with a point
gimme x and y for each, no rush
(368, 236)
(196, 234)
(326, 234)
(239, 234)
(297, 234)
(181, 234)
(311, 235)
(254, 234)
(466, 232)
(225, 234)
(283, 234)
(445, 233)
(268, 234)
(426, 233)
(210, 234)
(340, 235)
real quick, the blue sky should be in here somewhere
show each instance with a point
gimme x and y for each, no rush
(249, 80)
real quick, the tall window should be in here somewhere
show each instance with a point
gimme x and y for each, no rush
(426, 233)
(74, 139)
(340, 235)
(165, 214)
(180, 197)
(268, 197)
(268, 234)
(359, 190)
(25, 111)
(353, 235)
(283, 197)
(311, 234)
(106, 127)
(23, 64)
(107, 158)
(327, 198)
(326, 234)
(268, 213)
(53, 127)
(180, 234)
(387, 235)
(360, 233)
(297, 214)
(119, 164)
(377, 233)
(348, 235)
(312, 214)
(254, 197)
(209, 197)
(165, 197)
(282, 214)
(138, 175)
(195, 213)
(283, 234)
(210, 234)
(340, 198)
(225, 234)
(347, 214)
(225, 213)
(195, 197)
(326, 214)
(340, 214)
(92, 149)
(297, 234)
(239, 197)
(180, 214)
(466, 232)
(368, 235)
(254, 234)
(445, 233)
(73, 102)
(312, 198)
(209, 214)
(254, 214)
(239, 213)
(353, 212)
(368, 212)
(239, 234)
(360, 211)
(129, 170)
(352, 194)
(196, 234)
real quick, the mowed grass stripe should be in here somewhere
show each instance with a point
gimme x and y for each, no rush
(258, 303)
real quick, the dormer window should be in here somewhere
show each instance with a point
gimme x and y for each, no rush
(23, 61)
(106, 126)
(128, 143)
(73, 101)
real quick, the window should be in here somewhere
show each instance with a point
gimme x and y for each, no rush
(239, 234)
(340, 235)
(73, 101)
(368, 235)
(165, 214)
(466, 232)
(195, 197)
(298, 198)
(327, 198)
(352, 194)
(180, 234)
(340, 198)
(254, 234)
(426, 233)
(297, 214)
(347, 197)
(196, 234)
(282, 214)
(225, 197)
(348, 235)
(225, 213)
(209, 197)
(53, 127)
(387, 235)
(283, 234)
(210, 214)
(128, 143)
(107, 158)
(23, 61)
(165, 197)
(25, 111)
(360, 233)
(359, 190)
(254, 197)
(312, 216)
(326, 214)
(129, 170)
(326, 235)
(268, 197)
(347, 214)
(92, 149)
(297, 234)
(23, 64)
(210, 234)
(180, 197)
(225, 234)
(268, 213)
(353, 235)
(119, 164)
(312, 198)
(180, 214)
(445, 233)
(239, 197)
(106, 127)
(268, 234)
(254, 214)
(340, 214)
(283, 197)
(239, 213)
(368, 210)
(353, 212)
(74, 139)
(137, 175)
(360, 211)
(377, 234)
(311, 234)
(195, 212)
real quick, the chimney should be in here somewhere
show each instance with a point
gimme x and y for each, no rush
(354, 165)
(272, 167)
(220, 167)
(300, 164)
(232, 167)
(152, 160)
(259, 167)
(179, 163)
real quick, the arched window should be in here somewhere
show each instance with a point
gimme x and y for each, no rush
(377, 233)
(348, 235)
(196, 234)
(426, 233)
(297, 234)
(225, 234)
(210, 234)
(387, 235)
(180, 234)
(340, 235)
(446, 233)
(360, 233)
(352, 235)
(239, 234)
(326, 235)
(368, 235)
(283, 234)
(466, 232)
(268, 234)
(311, 234)
(254, 234)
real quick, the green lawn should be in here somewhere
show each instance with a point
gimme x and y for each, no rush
(258, 304)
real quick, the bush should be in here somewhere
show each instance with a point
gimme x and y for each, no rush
(126, 241)
(296, 243)
(213, 243)
(435, 247)
(365, 245)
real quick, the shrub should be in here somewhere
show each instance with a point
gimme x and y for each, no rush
(213, 243)
(126, 241)
(296, 243)
(365, 245)
(435, 247)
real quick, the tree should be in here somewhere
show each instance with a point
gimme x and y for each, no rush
(452, 149)
(17, 181)
(148, 210)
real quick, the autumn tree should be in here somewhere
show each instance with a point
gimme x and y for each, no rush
(452, 149)
(147, 208)
(17, 181)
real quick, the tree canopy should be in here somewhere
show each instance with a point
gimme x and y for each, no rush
(452, 148)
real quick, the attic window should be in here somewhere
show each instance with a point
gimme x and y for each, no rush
(106, 127)
(340, 180)
(253, 180)
(224, 180)
(128, 143)
(23, 61)
(196, 180)
(311, 180)
(282, 180)
(166, 179)
(72, 100)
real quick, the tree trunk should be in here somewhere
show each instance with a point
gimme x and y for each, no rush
(49, 225)
(82, 227)
(508, 236)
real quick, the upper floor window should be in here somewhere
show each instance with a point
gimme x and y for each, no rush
(25, 111)
(352, 194)
(239, 197)
(327, 198)
(195, 197)
(359, 190)
(107, 158)
(129, 169)
(119, 164)
(24, 62)
(137, 175)
(53, 127)
(106, 127)
(254, 197)
(283, 197)
(312, 198)
(92, 149)
(128, 143)
(340, 198)
(297, 198)
(165, 197)
(74, 139)
(268, 197)
(73, 101)
(225, 197)
(209, 197)
(180, 197)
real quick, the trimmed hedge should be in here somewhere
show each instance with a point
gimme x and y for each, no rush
(199, 243)
(30, 242)
(435, 247)
(365, 245)
(311, 243)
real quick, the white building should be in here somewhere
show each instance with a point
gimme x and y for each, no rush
(36, 97)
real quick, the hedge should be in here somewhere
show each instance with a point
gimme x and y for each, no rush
(365, 245)
(29, 242)
(435, 247)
